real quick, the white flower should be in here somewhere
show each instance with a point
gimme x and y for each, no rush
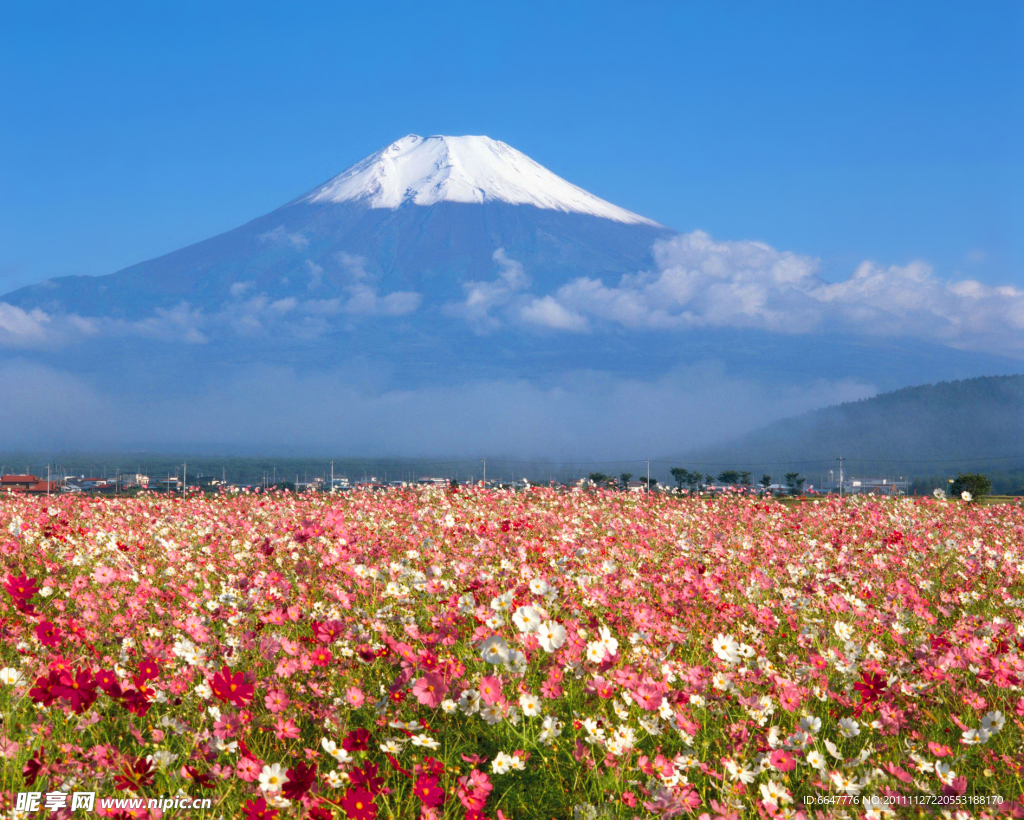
(204, 691)
(726, 647)
(334, 780)
(272, 778)
(610, 643)
(494, 650)
(491, 713)
(526, 619)
(530, 704)
(162, 758)
(551, 636)
(849, 728)
(972, 737)
(810, 724)
(426, 741)
(469, 702)
(815, 759)
(9, 676)
(844, 631)
(966, 496)
(550, 729)
(502, 763)
(391, 746)
(775, 793)
(739, 772)
(938, 493)
(538, 586)
(846, 784)
(516, 662)
(991, 723)
(503, 603)
(335, 751)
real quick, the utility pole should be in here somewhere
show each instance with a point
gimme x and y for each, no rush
(840, 460)
(648, 475)
(47, 480)
(332, 476)
(484, 460)
(184, 478)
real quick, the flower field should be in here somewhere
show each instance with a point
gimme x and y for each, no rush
(485, 654)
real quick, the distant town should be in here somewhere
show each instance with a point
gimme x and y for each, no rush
(684, 482)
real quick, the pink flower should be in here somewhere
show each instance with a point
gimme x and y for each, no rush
(249, 769)
(430, 690)
(782, 760)
(276, 701)
(286, 729)
(647, 697)
(104, 575)
(490, 689)
(355, 697)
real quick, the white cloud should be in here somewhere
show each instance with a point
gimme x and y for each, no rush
(281, 236)
(484, 297)
(37, 329)
(700, 283)
(21, 328)
(547, 312)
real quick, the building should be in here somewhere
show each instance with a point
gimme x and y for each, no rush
(18, 483)
(869, 486)
(133, 480)
(44, 488)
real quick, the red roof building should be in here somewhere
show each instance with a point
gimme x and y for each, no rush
(18, 483)
(44, 488)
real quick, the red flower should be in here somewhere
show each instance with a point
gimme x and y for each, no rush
(301, 778)
(107, 681)
(358, 740)
(78, 687)
(318, 813)
(259, 810)
(47, 633)
(21, 589)
(433, 766)
(148, 669)
(43, 692)
(232, 687)
(202, 780)
(31, 770)
(135, 775)
(358, 804)
(21, 586)
(871, 686)
(428, 791)
(366, 776)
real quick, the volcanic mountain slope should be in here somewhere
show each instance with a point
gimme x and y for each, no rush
(420, 219)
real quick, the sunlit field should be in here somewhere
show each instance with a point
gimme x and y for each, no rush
(486, 654)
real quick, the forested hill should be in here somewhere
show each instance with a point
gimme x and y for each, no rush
(932, 429)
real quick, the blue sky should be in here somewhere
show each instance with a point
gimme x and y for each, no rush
(847, 131)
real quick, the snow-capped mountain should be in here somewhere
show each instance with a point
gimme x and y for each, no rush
(421, 216)
(426, 171)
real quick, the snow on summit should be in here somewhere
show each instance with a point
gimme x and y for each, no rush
(425, 171)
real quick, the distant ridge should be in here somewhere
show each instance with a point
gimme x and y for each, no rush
(970, 423)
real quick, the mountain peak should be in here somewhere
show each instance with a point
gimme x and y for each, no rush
(470, 169)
